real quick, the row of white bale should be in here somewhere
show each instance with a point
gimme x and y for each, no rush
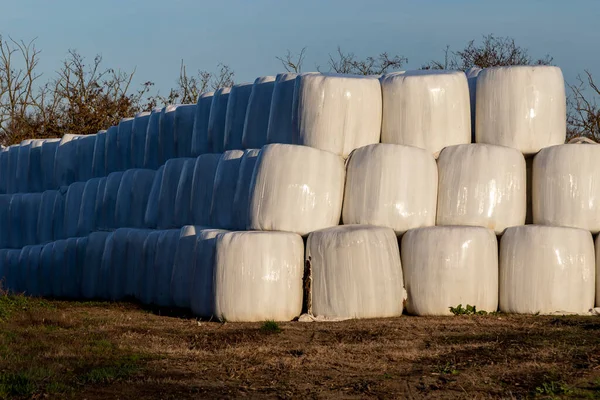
(352, 271)
(519, 107)
(300, 189)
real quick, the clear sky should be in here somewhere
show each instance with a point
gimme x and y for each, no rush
(155, 35)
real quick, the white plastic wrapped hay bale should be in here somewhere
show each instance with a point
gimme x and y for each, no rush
(112, 158)
(166, 134)
(45, 225)
(391, 185)
(124, 133)
(183, 198)
(226, 177)
(22, 173)
(168, 193)
(566, 186)
(216, 120)
(22, 265)
(33, 271)
(46, 270)
(336, 113)
(99, 160)
(256, 124)
(241, 201)
(472, 74)
(47, 157)
(202, 187)
(236, 115)
(123, 202)
(3, 269)
(60, 278)
(73, 201)
(73, 267)
(258, 276)
(296, 189)
(109, 201)
(426, 109)
(138, 139)
(183, 266)
(279, 129)
(200, 143)
(85, 157)
(99, 208)
(166, 247)
(151, 159)
(65, 163)
(567, 172)
(354, 272)
(152, 209)
(58, 216)
(4, 220)
(183, 129)
(445, 266)
(132, 197)
(135, 252)
(523, 107)
(30, 208)
(202, 282)
(35, 175)
(15, 227)
(87, 212)
(147, 284)
(115, 257)
(91, 286)
(546, 270)
(482, 185)
(3, 169)
(13, 159)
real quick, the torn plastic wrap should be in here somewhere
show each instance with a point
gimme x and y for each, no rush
(216, 121)
(447, 266)
(200, 144)
(472, 74)
(546, 270)
(354, 272)
(236, 115)
(258, 276)
(336, 113)
(279, 129)
(226, 177)
(296, 189)
(391, 185)
(202, 187)
(426, 109)
(566, 186)
(241, 201)
(183, 129)
(256, 123)
(523, 107)
(482, 185)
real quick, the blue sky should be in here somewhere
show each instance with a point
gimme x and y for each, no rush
(155, 35)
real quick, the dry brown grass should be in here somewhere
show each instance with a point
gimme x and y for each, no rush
(100, 350)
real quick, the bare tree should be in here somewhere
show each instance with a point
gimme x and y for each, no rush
(584, 112)
(494, 51)
(348, 63)
(293, 62)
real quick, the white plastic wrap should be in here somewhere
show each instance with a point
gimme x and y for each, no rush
(112, 159)
(22, 265)
(58, 216)
(109, 201)
(202, 187)
(15, 226)
(597, 248)
(216, 121)
(337, 113)
(226, 177)
(116, 259)
(45, 226)
(73, 269)
(546, 270)
(3, 169)
(60, 278)
(151, 145)
(152, 209)
(35, 176)
(65, 163)
(566, 186)
(166, 134)
(87, 213)
(445, 266)
(46, 270)
(123, 207)
(99, 208)
(166, 247)
(134, 263)
(85, 157)
(29, 218)
(168, 193)
(124, 143)
(33, 271)
(523, 107)
(391, 185)
(426, 109)
(132, 197)
(256, 123)
(200, 143)
(296, 189)
(280, 115)
(183, 198)
(4, 219)
(22, 173)
(138, 139)
(147, 283)
(482, 185)
(354, 272)
(202, 280)
(13, 162)
(73, 201)
(183, 129)
(47, 157)
(102, 287)
(99, 160)
(258, 276)
(241, 201)
(472, 74)
(236, 115)
(183, 266)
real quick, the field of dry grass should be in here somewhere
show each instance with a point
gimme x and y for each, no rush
(58, 349)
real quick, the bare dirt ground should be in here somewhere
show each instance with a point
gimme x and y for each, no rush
(58, 349)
